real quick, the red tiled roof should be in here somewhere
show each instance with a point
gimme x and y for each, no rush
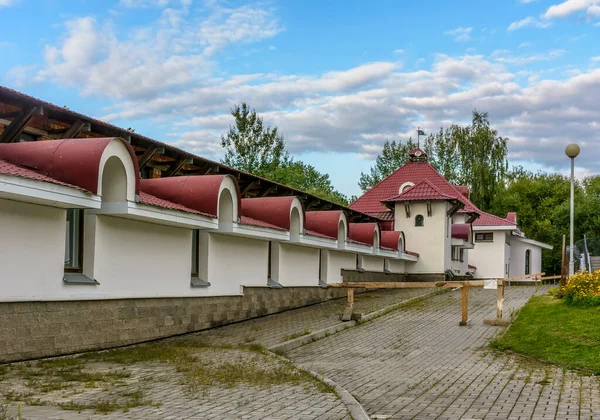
(324, 221)
(317, 234)
(416, 254)
(414, 172)
(512, 216)
(245, 220)
(390, 239)
(362, 232)
(151, 200)
(486, 219)
(424, 190)
(272, 210)
(7, 168)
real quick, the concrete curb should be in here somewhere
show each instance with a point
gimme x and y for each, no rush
(309, 338)
(354, 407)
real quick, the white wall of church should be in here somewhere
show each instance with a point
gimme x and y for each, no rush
(517, 251)
(396, 266)
(333, 262)
(298, 266)
(235, 261)
(370, 263)
(431, 241)
(32, 250)
(490, 257)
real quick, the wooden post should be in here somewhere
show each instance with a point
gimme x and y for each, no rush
(347, 315)
(500, 303)
(464, 301)
(563, 266)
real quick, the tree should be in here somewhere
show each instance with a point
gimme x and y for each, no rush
(252, 147)
(393, 156)
(483, 161)
(260, 150)
(474, 155)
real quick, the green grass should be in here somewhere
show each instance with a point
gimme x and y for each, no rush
(550, 330)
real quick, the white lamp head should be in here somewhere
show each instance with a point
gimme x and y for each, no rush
(572, 150)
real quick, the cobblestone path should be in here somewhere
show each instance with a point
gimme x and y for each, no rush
(417, 363)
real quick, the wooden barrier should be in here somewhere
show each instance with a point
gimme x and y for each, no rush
(464, 293)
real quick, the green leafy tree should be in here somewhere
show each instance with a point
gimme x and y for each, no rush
(251, 146)
(483, 163)
(473, 155)
(260, 150)
(393, 156)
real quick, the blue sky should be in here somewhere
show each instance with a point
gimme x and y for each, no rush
(338, 77)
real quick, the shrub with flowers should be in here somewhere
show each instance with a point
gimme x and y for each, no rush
(583, 289)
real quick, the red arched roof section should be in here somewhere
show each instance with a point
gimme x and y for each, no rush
(390, 239)
(74, 161)
(461, 231)
(324, 222)
(196, 192)
(363, 232)
(274, 210)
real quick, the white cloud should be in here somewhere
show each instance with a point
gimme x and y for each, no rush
(6, 3)
(569, 7)
(172, 53)
(398, 51)
(527, 1)
(597, 58)
(460, 33)
(528, 21)
(505, 56)
(525, 44)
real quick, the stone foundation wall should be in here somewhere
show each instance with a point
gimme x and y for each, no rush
(352, 276)
(31, 330)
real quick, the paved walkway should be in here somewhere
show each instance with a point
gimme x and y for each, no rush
(417, 363)
(413, 363)
(148, 389)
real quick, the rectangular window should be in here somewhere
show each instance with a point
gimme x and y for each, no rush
(74, 241)
(462, 255)
(269, 262)
(484, 237)
(195, 255)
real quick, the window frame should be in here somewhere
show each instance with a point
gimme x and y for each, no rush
(527, 262)
(195, 253)
(484, 236)
(79, 268)
(419, 217)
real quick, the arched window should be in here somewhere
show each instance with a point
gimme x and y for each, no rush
(419, 220)
(528, 262)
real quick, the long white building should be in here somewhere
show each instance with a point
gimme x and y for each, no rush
(111, 238)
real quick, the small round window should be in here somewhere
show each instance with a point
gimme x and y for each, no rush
(419, 220)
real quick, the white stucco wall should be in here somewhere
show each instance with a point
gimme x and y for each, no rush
(490, 257)
(370, 263)
(235, 261)
(32, 250)
(431, 241)
(133, 258)
(333, 262)
(298, 266)
(396, 266)
(517, 253)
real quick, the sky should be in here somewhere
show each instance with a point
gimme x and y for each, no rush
(338, 78)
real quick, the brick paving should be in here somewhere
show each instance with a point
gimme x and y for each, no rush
(162, 384)
(413, 363)
(417, 363)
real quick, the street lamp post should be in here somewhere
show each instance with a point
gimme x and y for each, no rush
(572, 151)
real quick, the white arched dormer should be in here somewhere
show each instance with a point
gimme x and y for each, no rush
(296, 219)
(376, 239)
(405, 187)
(116, 173)
(228, 203)
(342, 231)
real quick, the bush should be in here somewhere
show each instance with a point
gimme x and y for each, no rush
(583, 289)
